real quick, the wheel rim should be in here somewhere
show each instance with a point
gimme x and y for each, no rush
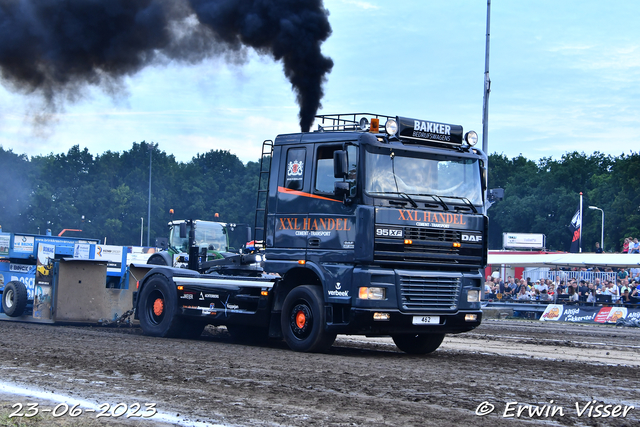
(155, 307)
(301, 320)
(158, 307)
(8, 298)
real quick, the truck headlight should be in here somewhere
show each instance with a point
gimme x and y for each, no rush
(372, 293)
(471, 138)
(391, 127)
(473, 296)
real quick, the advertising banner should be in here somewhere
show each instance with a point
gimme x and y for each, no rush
(5, 242)
(111, 254)
(588, 314)
(44, 270)
(81, 250)
(42, 302)
(523, 241)
(23, 244)
(139, 254)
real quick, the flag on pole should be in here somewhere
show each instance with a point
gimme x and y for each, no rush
(576, 229)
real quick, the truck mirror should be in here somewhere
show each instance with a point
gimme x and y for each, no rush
(162, 243)
(341, 190)
(183, 230)
(495, 194)
(340, 164)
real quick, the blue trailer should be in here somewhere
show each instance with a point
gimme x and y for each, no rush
(19, 266)
(54, 279)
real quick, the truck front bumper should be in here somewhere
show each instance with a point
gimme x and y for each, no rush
(361, 322)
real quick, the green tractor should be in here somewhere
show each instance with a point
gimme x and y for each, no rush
(212, 239)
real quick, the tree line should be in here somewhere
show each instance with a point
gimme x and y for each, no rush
(106, 195)
(543, 196)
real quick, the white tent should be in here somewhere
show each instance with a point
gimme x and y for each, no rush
(518, 259)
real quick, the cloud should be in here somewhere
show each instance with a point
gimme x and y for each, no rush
(361, 4)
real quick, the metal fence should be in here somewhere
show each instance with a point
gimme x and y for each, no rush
(589, 276)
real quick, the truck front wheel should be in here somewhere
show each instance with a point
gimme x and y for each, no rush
(418, 343)
(14, 299)
(303, 320)
(158, 306)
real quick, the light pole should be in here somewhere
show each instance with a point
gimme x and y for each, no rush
(149, 211)
(487, 88)
(141, 229)
(602, 228)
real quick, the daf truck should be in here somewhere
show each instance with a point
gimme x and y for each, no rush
(370, 225)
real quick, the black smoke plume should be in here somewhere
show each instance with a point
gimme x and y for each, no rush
(56, 48)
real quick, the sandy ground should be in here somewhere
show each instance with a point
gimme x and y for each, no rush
(502, 367)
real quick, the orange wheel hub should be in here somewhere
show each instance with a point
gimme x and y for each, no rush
(301, 319)
(158, 306)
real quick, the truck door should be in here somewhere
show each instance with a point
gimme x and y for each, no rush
(291, 219)
(332, 223)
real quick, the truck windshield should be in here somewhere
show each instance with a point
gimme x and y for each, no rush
(210, 235)
(445, 178)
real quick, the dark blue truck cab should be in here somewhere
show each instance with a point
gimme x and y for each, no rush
(362, 228)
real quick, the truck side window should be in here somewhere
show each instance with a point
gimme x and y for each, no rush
(324, 169)
(294, 177)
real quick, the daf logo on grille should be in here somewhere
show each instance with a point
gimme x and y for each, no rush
(471, 238)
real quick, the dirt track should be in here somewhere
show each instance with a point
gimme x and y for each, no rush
(359, 382)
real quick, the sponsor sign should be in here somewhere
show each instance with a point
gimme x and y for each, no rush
(611, 314)
(42, 302)
(523, 241)
(429, 131)
(5, 242)
(111, 254)
(81, 251)
(23, 244)
(139, 254)
(588, 314)
(552, 312)
(28, 279)
(22, 268)
(44, 266)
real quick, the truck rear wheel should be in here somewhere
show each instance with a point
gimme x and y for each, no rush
(158, 308)
(303, 320)
(157, 259)
(418, 343)
(14, 299)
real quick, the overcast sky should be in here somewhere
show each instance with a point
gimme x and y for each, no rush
(565, 77)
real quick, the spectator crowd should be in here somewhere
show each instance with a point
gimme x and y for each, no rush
(624, 290)
(631, 246)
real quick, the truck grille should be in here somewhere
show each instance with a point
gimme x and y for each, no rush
(431, 246)
(432, 234)
(429, 293)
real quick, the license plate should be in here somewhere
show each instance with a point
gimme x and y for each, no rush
(426, 320)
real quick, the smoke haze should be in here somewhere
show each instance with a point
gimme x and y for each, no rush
(56, 48)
